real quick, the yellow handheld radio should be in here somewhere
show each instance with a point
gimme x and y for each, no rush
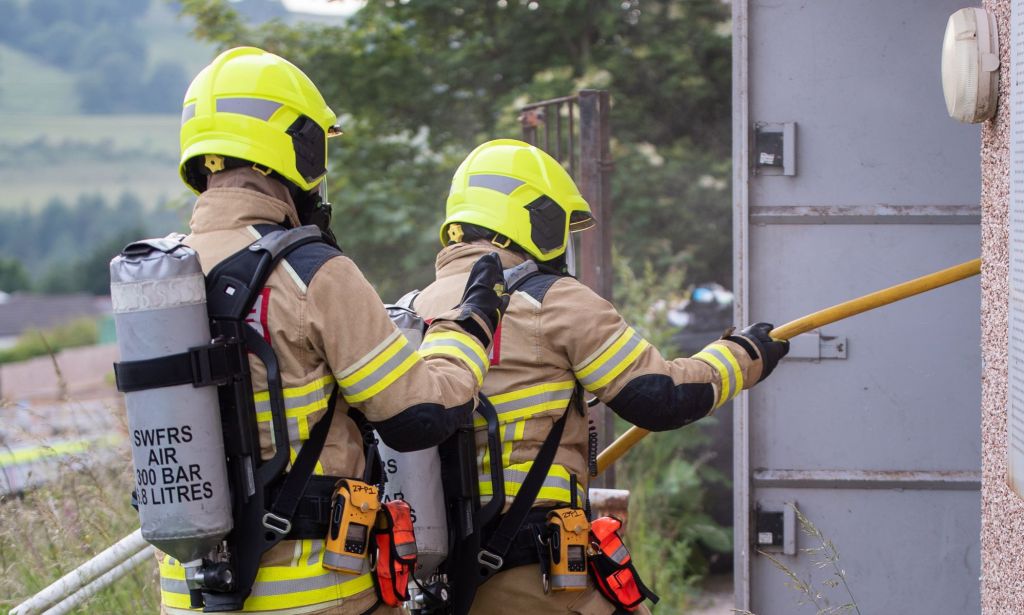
(568, 537)
(354, 508)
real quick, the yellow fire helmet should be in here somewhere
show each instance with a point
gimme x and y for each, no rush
(519, 191)
(252, 105)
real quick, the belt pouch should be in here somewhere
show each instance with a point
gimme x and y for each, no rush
(612, 568)
(395, 553)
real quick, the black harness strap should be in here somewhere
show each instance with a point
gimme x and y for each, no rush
(295, 481)
(490, 511)
(492, 555)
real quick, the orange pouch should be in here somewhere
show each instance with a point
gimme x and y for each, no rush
(396, 552)
(612, 568)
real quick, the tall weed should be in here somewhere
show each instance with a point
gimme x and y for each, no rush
(667, 474)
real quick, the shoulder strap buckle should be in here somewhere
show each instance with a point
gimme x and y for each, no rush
(489, 559)
(277, 523)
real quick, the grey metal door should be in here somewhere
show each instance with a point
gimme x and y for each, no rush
(849, 177)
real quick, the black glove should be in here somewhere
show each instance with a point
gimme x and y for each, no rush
(770, 350)
(485, 295)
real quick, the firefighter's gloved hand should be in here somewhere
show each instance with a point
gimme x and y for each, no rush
(771, 351)
(485, 292)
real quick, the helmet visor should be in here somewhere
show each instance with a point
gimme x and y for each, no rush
(581, 221)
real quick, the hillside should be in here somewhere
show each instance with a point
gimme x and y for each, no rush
(51, 149)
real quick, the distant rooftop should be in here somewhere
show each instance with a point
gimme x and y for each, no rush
(21, 311)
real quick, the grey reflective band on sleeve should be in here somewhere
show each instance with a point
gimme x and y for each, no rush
(188, 113)
(465, 348)
(259, 108)
(719, 354)
(502, 183)
(383, 370)
(613, 361)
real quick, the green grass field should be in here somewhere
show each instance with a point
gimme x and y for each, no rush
(49, 150)
(30, 86)
(74, 154)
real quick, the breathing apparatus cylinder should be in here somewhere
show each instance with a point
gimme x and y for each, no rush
(416, 477)
(181, 487)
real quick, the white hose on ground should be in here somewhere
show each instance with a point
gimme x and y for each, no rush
(94, 586)
(118, 553)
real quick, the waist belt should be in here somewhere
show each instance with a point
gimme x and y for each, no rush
(313, 513)
(527, 547)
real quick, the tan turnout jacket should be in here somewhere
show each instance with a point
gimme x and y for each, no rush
(327, 325)
(547, 341)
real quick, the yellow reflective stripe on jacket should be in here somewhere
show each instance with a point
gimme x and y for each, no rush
(719, 357)
(378, 369)
(555, 486)
(616, 354)
(525, 403)
(299, 402)
(276, 587)
(459, 345)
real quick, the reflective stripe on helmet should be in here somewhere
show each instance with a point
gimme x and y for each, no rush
(252, 105)
(259, 108)
(502, 183)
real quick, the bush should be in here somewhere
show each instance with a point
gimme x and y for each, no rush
(36, 343)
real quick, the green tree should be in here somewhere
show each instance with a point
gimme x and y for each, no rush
(13, 276)
(420, 83)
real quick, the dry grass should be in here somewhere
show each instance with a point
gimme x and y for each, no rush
(824, 556)
(46, 533)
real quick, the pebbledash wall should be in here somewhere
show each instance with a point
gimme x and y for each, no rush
(1002, 528)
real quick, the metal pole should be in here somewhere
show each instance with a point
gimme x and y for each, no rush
(123, 550)
(596, 245)
(101, 582)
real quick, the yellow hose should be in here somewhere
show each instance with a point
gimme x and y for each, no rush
(818, 319)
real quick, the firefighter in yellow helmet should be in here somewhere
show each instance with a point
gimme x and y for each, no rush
(254, 148)
(558, 337)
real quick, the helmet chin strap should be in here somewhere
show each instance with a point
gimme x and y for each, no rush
(314, 208)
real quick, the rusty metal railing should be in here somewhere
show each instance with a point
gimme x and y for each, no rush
(535, 119)
(575, 130)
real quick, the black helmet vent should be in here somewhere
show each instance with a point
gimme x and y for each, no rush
(310, 142)
(547, 224)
